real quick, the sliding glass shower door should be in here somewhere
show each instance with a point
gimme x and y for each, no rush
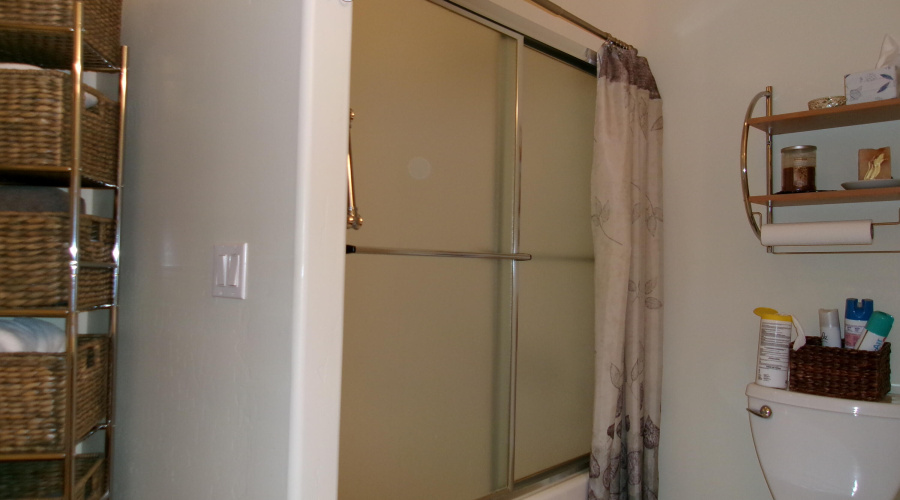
(555, 347)
(426, 377)
(430, 341)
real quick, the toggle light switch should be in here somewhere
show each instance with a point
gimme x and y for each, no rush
(230, 271)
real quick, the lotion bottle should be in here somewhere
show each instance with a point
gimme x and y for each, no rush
(856, 315)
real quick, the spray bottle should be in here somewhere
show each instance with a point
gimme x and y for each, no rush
(856, 315)
(877, 328)
(830, 327)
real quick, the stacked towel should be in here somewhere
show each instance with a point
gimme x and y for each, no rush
(31, 335)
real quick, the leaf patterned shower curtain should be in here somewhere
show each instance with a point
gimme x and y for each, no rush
(627, 216)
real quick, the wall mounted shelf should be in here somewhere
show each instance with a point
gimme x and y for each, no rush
(810, 121)
(822, 119)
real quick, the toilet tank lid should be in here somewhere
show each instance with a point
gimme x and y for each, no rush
(888, 408)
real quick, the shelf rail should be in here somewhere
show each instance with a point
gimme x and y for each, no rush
(437, 253)
(71, 355)
(745, 183)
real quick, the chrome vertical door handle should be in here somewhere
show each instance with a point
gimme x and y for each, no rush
(763, 412)
(354, 220)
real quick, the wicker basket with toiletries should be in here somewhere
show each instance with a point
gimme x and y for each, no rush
(841, 373)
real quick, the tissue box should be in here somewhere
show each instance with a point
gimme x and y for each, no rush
(874, 85)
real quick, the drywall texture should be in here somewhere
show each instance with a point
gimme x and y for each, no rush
(710, 58)
(204, 383)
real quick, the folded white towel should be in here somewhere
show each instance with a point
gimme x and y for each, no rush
(10, 342)
(90, 100)
(31, 335)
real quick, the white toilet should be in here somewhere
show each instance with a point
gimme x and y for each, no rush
(821, 448)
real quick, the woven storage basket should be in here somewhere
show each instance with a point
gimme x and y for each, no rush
(41, 480)
(34, 259)
(36, 125)
(841, 373)
(101, 25)
(33, 396)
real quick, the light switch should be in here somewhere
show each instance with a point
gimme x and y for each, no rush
(230, 271)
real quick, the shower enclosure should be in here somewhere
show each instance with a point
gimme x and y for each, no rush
(468, 342)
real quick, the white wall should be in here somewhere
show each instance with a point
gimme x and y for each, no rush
(222, 398)
(709, 58)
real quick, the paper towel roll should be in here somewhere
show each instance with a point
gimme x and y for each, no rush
(851, 232)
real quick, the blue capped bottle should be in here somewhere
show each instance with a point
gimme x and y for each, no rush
(856, 315)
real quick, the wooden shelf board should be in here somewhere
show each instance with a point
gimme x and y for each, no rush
(37, 312)
(821, 119)
(16, 457)
(47, 312)
(828, 197)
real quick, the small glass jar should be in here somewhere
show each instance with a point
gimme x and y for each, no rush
(798, 169)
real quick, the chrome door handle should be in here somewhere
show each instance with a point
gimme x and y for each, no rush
(354, 220)
(763, 412)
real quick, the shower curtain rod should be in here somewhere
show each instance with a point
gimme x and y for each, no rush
(581, 23)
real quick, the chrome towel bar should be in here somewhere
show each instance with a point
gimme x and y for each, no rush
(437, 253)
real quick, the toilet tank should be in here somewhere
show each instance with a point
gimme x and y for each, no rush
(821, 448)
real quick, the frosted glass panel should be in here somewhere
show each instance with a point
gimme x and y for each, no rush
(427, 340)
(433, 139)
(425, 379)
(554, 391)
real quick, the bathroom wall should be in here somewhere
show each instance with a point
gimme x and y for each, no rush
(710, 57)
(223, 398)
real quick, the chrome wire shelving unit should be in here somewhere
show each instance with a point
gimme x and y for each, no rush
(69, 457)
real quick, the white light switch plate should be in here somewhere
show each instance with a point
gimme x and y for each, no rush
(230, 271)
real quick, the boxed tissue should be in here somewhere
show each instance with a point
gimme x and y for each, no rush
(875, 85)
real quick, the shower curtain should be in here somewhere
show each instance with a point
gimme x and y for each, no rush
(627, 216)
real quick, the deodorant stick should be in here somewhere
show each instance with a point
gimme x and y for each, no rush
(830, 327)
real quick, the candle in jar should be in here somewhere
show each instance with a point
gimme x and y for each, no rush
(798, 169)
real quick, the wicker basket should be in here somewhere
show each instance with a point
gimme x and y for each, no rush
(33, 396)
(34, 259)
(35, 124)
(841, 373)
(42, 480)
(101, 25)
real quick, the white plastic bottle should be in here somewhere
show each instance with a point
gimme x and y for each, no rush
(773, 357)
(830, 327)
